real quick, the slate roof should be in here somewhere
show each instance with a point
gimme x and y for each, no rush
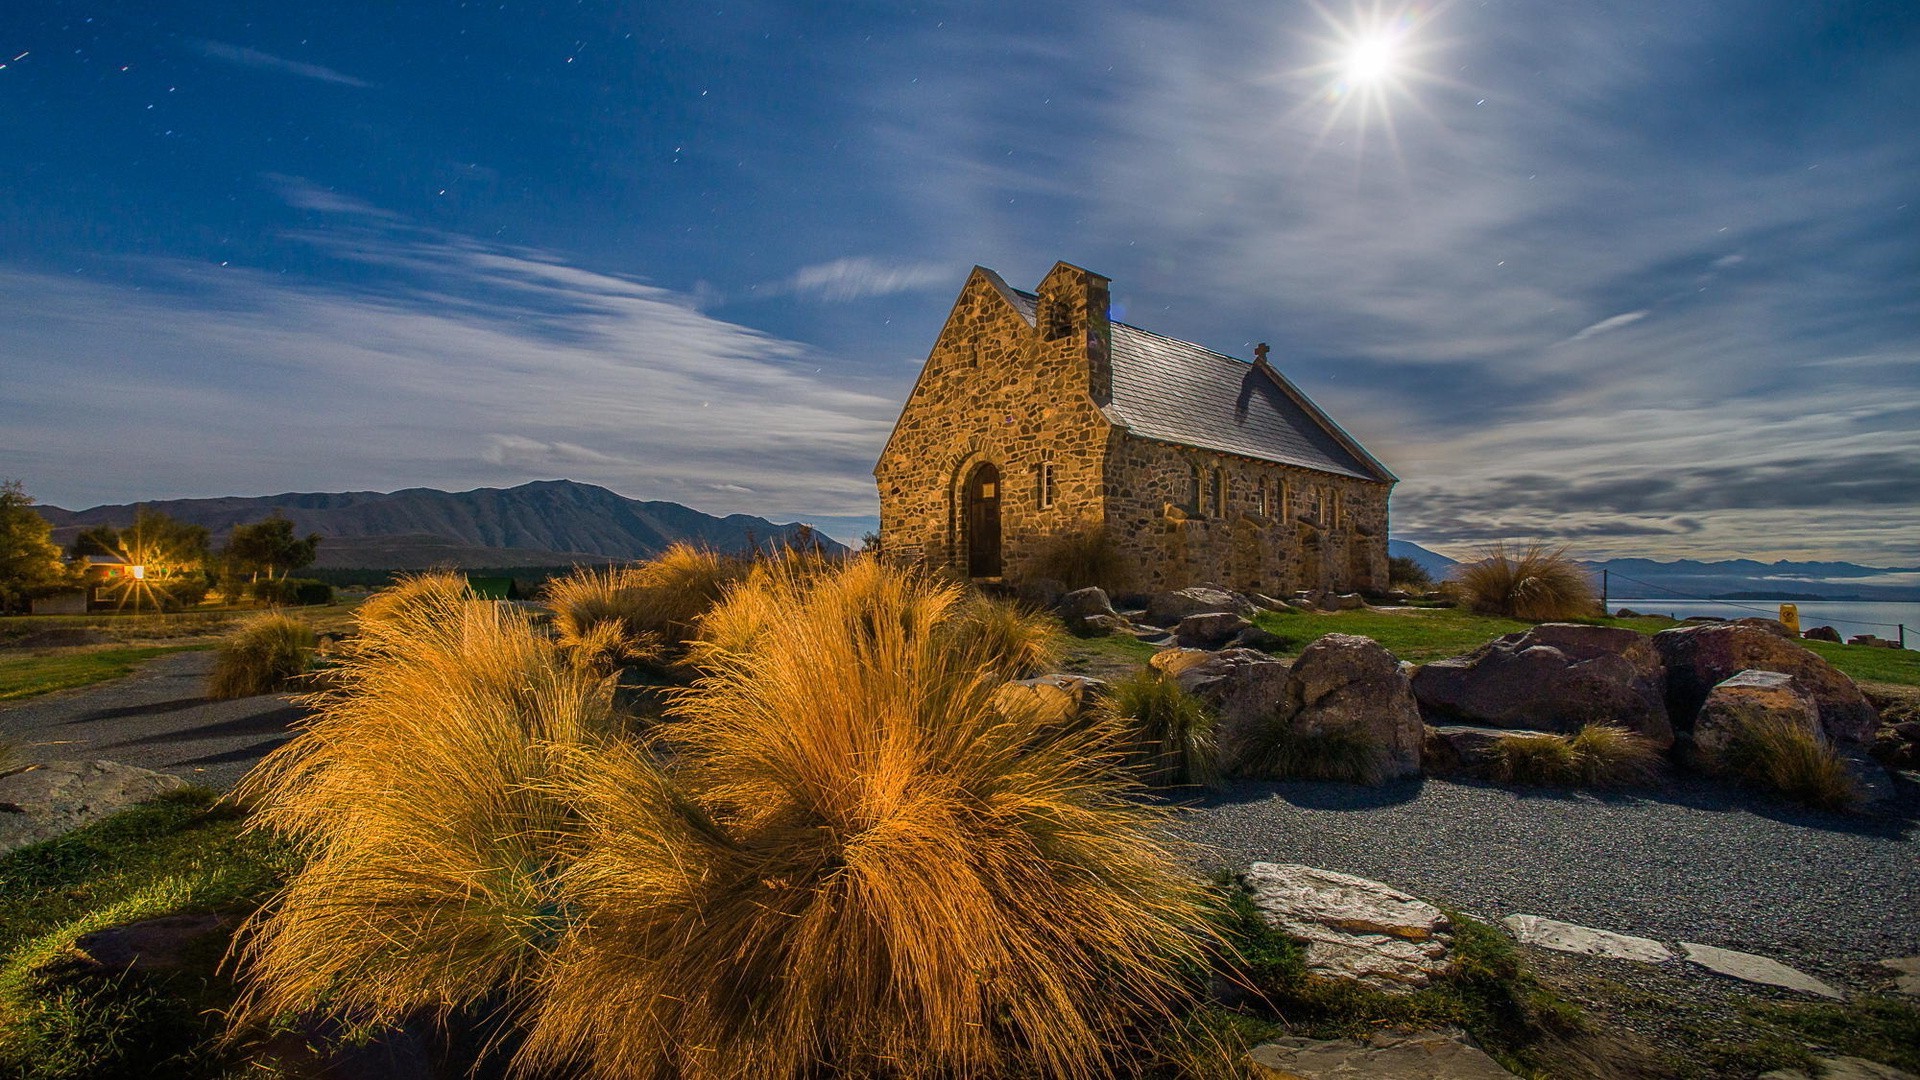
(1178, 392)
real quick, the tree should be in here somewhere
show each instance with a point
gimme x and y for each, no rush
(99, 540)
(268, 547)
(30, 563)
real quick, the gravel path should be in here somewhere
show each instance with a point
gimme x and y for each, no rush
(1822, 892)
(157, 718)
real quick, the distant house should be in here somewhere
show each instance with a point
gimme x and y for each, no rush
(1037, 417)
(99, 589)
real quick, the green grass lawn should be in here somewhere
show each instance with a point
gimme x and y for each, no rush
(61, 1017)
(37, 673)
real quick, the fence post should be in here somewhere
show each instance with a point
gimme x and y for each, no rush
(1603, 590)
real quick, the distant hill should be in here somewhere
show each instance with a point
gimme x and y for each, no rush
(547, 522)
(1747, 579)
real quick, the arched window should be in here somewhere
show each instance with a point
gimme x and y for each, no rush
(1194, 490)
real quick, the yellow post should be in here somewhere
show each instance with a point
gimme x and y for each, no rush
(1790, 618)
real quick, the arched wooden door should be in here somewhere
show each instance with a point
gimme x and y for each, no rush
(983, 522)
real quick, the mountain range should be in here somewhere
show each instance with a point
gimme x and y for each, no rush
(1726, 579)
(544, 523)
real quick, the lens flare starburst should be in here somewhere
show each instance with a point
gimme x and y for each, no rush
(1370, 62)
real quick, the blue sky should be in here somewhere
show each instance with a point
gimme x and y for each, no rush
(1639, 277)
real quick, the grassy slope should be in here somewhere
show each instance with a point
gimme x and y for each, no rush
(37, 673)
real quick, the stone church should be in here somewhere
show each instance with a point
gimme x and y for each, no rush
(1037, 419)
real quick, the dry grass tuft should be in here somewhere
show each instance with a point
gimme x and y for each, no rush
(266, 654)
(1168, 732)
(1012, 639)
(642, 614)
(1782, 757)
(1347, 754)
(1598, 756)
(860, 860)
(437, 590)
(1080, 558)
(1536, 584)
(417, 793)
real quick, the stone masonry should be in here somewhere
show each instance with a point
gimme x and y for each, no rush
(1017, 383)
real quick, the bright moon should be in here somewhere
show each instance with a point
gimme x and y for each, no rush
(1369, 59)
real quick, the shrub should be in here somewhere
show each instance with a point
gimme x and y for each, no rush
(1606, 756)
(409, 597)
(1279, 750)
(1010, 638)
(1539, 760)
(266, 654)
(291, 591)
(1080, 558)
(872, 867)
(421, 795)
(1168, 732)
(1779, 756)
(1535, 584)
(1404, 572)
(656, 605)
(598, 615)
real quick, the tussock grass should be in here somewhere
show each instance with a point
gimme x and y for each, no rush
(1079, 558)
(642, 614)
(859, 858)
(1788, 760)
(266, 654)
(1012, 639)
(1597, 756)
(437, 590)
(420, 796)
(1168, 732)
(1278, 750)
(1536, 583)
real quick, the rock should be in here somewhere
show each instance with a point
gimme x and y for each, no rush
(1088, 626)
(1063, 698)
(1842, 1068)
(1556, 677)
(1352, 601)
(1821, 633)
(1255, 638)
(1083, 603)
(1627, 613)
(1463, 749)
(162, 944)
(1746, 698)
(1267, 603)
(1700, 657)
(1906, 971)
(1425, 1055)
(1585, 940)
(1757, 969)
(1871, 641)
(43, 802)
(1871, 780)
(1243, 686)
(1210, 630)
(1354, 928)
(1347, 681)
(1168, 608)
(1176, 660)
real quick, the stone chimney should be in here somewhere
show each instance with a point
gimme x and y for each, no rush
(1072, 317)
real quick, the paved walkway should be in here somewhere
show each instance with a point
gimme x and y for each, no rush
(158, 718)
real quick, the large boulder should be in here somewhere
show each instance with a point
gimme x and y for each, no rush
(42, 802)
(1082, 603)
(1210, 630)
(1384, 1055)
(1698, 658)
(1354, 928)
(1348, 681)
(1555, 677)
(1243, 687)
(1168, 608)
(1751, 697)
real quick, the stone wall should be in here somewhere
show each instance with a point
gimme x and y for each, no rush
(1310, 530)
(998, 389)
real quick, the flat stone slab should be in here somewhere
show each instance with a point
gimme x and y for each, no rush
(1571, 938)
(1843, 1068)
(1757, 969)
(1354, 928)
(1427, 1055)
(46, 800)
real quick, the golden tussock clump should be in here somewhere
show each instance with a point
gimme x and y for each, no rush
(266, 654)
(857, 859)
(617, 616)
(1535, 584)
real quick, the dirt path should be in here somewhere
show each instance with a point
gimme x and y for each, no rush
(157, 718)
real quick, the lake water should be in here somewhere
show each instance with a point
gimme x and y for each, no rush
(1850, 617)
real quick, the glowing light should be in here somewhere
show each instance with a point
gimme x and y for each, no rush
(139, 573)
(1370, 59)
(1370, 63)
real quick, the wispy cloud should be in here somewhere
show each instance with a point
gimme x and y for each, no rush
(254, 58)
(1604, 325)
(303, 194)
(246, 378)
(859, 278)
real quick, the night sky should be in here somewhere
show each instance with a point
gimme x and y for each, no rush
(1639, 277)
